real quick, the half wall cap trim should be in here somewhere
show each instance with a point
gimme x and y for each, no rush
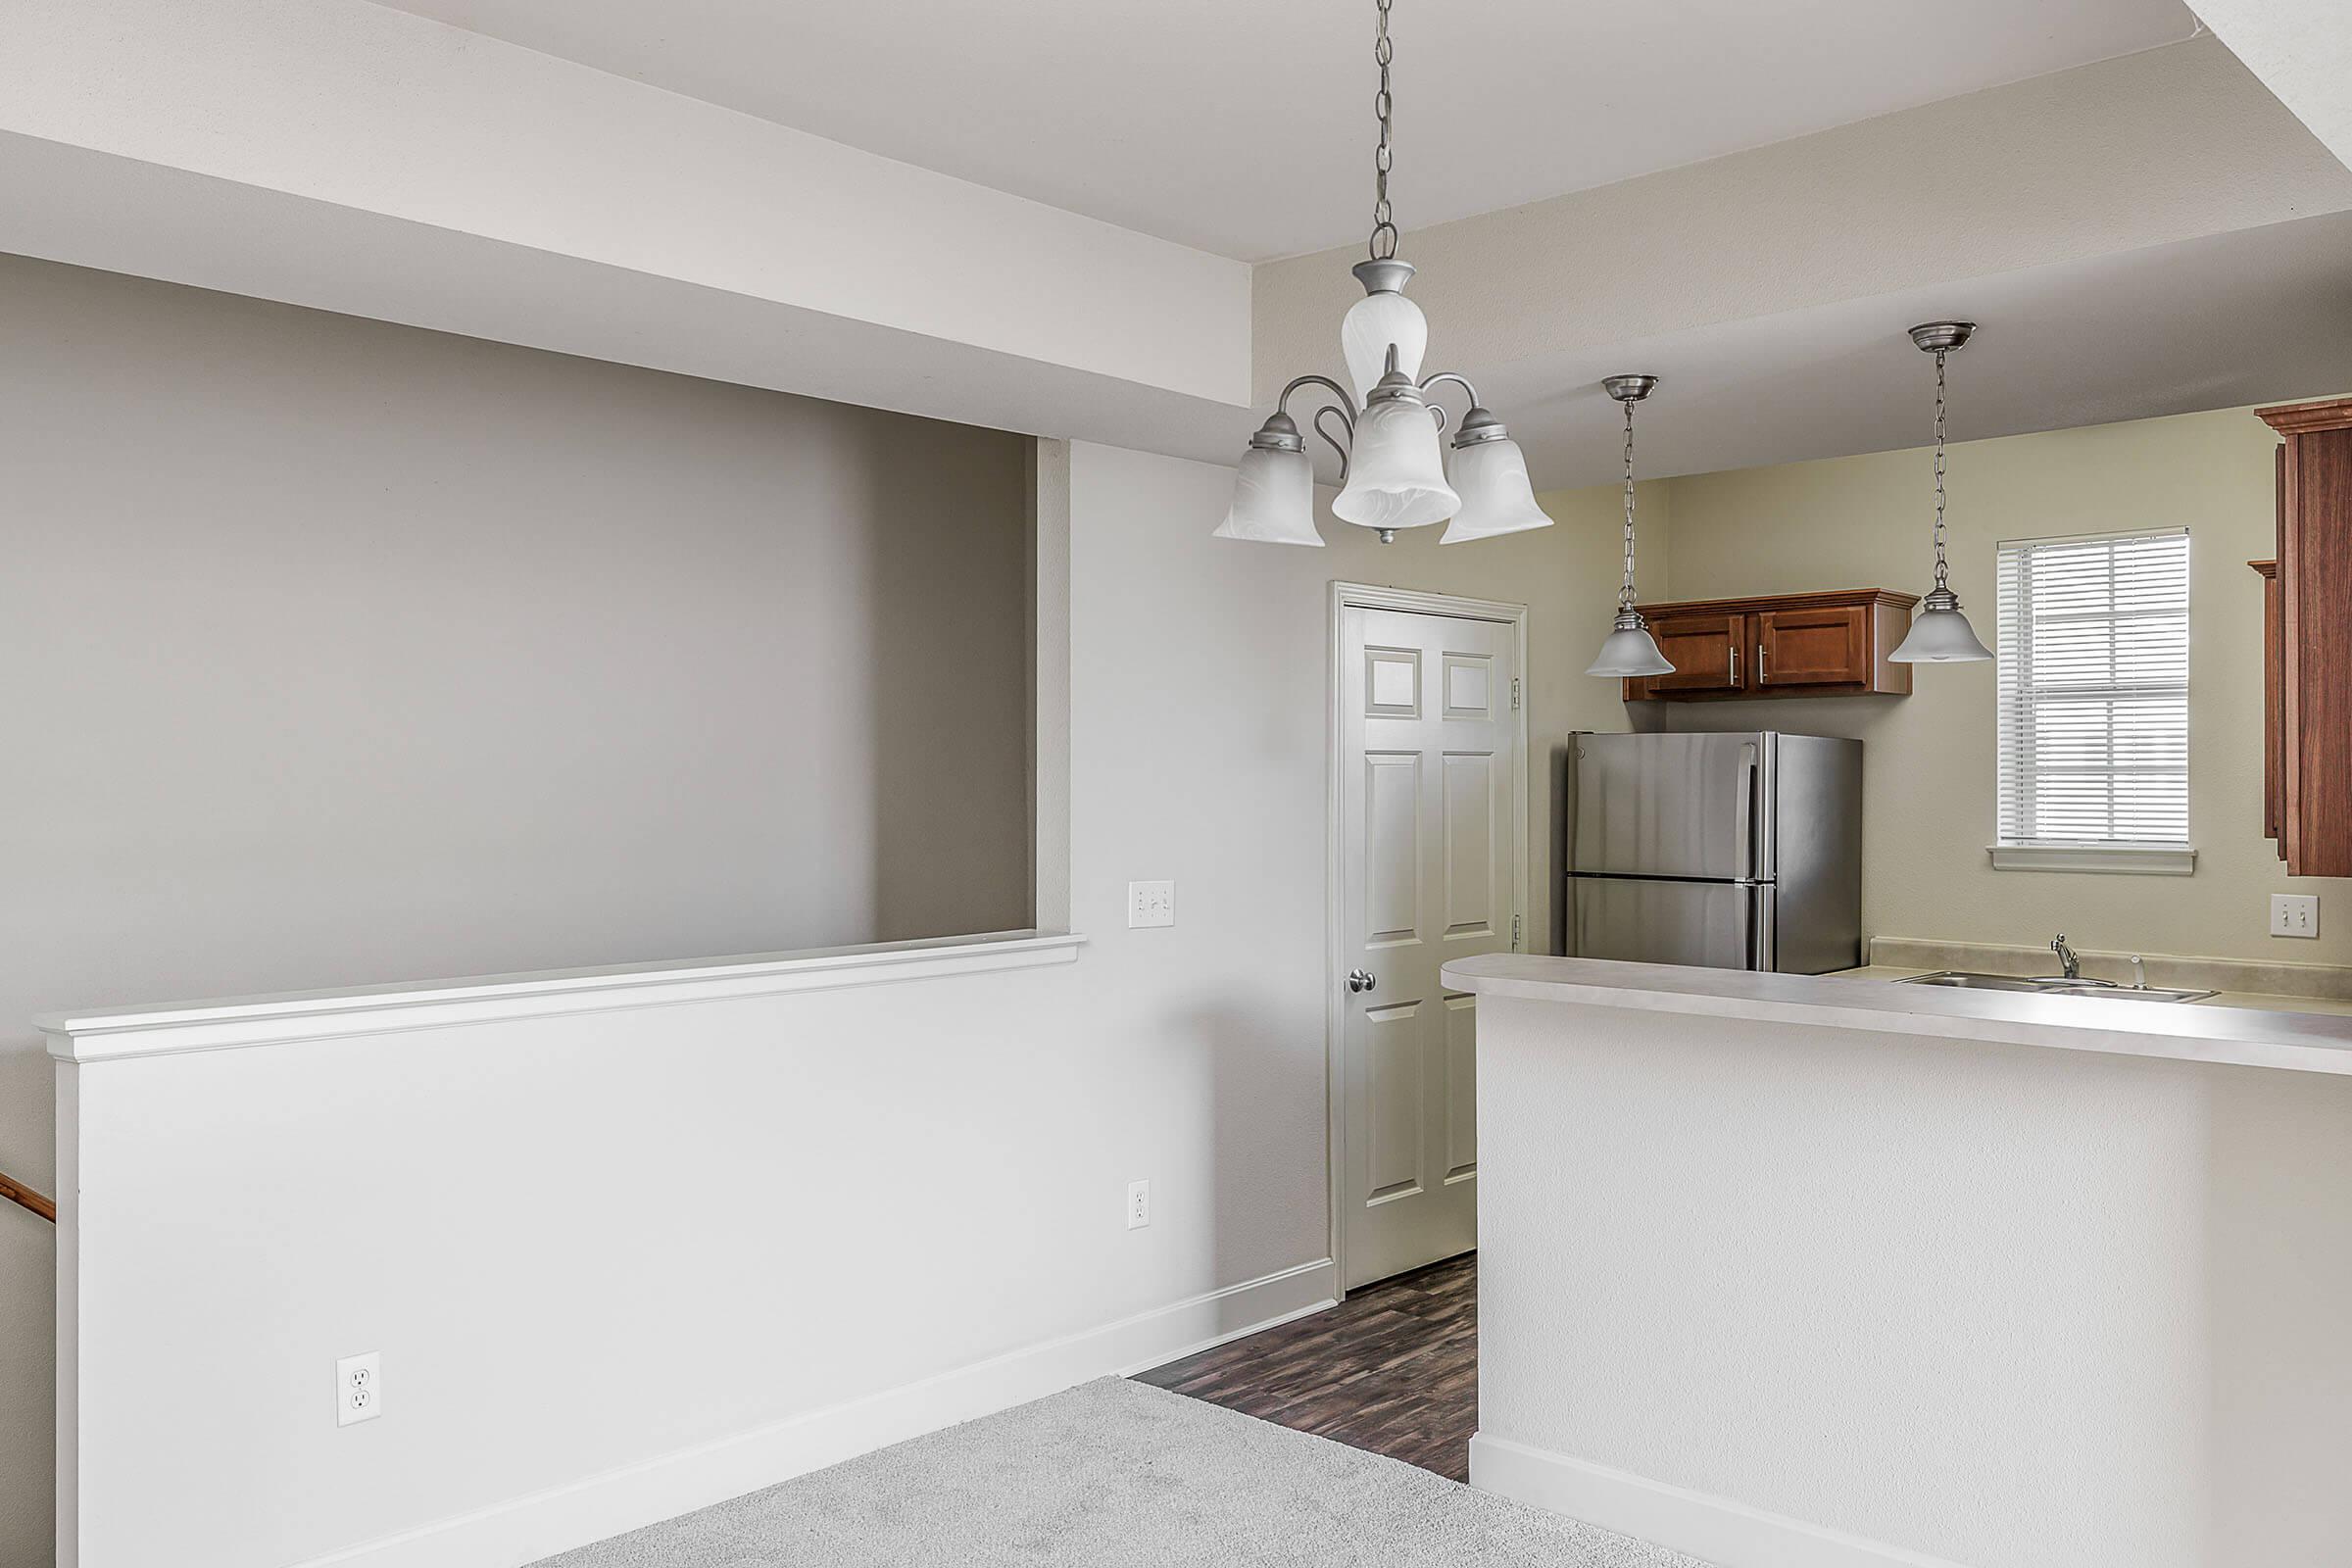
(294, 1017)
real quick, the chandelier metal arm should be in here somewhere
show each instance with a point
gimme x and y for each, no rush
(1345, 409)
(1458, 379)
(1347, 421)
(1282, 404)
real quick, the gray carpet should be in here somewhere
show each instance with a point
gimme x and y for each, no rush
(1117, 1475)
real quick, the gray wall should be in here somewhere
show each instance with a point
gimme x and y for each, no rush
(333, 652)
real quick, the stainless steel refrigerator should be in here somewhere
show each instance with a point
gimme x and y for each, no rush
(1736, 852)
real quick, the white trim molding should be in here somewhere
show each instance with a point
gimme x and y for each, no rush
(2123, 859)
(1719, 1530)
(303, 1015)
(528, 1528)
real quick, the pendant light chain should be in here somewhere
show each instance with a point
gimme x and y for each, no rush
(1384, 229)
(1625, 595)
(1943, 573)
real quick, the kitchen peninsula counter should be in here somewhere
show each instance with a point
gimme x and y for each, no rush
(2239, 1032)
(1784, 1269)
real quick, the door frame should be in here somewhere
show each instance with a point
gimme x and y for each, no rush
(1346, 596)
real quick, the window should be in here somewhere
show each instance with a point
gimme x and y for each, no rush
(2093, 709)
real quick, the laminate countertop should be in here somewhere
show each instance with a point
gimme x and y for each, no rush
(2264, 1001)
(2296, 1034)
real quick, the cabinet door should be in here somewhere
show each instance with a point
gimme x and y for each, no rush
(1826, 645)
(1708, 654)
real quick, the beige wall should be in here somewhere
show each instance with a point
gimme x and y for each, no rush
(1865, 522)
(335, 652)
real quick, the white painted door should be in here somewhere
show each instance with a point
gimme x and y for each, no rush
(1430, 806)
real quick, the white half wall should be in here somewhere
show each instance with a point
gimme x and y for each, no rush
(775, 1228)
(339, 652)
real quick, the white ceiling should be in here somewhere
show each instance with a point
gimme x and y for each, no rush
(2258, 316)
(1245, 126)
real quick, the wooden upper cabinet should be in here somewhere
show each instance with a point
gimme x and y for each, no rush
(1787, 644)
(1706, 652)
(2314, 683)
(1818, 645)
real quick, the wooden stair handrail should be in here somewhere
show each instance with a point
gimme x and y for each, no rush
(17, 1193)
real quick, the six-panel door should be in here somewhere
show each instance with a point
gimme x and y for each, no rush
(1431, 774)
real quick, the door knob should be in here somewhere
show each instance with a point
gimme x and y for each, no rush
(1360, 980)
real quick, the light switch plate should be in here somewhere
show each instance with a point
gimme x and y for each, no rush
(2294, 914)
(1150, 903)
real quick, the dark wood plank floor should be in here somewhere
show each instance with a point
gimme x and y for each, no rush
(1394, 1369)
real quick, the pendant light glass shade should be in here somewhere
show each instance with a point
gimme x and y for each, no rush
(1630, 651)
(1395, 470)
(1497, 497)
(1273, 500)
(1382, 319)
(1941, 635)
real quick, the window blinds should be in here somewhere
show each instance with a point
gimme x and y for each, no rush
(2094, 682)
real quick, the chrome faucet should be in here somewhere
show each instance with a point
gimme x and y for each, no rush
(2140, 973)
(2065, 957)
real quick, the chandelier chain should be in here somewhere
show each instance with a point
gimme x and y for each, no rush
(1941, 571)
(1625, 594)
(1383, 227)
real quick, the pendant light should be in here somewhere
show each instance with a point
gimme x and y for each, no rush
(1629, 650)
(1941, 634)
(1393, 470)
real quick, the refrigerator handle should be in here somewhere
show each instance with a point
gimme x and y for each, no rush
(1747, 843)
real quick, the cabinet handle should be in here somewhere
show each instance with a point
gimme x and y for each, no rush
(1762, 674)
(1734, 664)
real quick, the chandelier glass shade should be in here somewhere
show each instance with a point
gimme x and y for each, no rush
(1383, 319)
(1394, 473)
(1489, 473)
(1273, 498)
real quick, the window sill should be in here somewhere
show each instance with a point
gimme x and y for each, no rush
(316, 1016)
(2120, 860)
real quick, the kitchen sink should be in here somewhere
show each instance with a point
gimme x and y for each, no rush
(2049, 986)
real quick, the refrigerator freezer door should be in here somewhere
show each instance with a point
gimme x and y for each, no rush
(1719, 925)
(1695, 806)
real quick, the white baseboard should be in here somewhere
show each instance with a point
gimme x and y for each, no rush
(526, 1529)
(1716, 1529)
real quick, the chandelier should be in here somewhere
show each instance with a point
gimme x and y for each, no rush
(1391, 473)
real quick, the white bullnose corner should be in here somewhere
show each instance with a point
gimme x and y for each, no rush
(165, 1030)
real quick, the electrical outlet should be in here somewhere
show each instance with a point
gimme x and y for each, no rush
(1150, 903)
(2294, 914)
(358, 1388)
(1139, 1205)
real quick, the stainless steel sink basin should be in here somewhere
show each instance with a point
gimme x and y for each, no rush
(2049, 986)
